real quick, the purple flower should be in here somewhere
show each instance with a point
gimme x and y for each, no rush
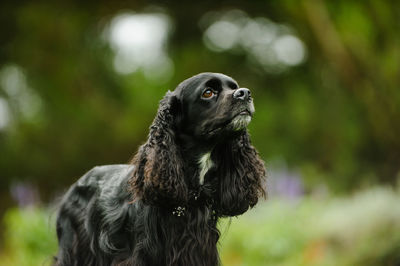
(25, 194)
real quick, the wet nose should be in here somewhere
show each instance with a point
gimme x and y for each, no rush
(242, 94)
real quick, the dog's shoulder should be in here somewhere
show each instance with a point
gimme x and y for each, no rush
(100, 180)
(99, 175)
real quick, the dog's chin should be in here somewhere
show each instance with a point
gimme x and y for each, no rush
(231, 127)
(239, 122)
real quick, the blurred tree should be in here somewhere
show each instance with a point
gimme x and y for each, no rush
(66, 109)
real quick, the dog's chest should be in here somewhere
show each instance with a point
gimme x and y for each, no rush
(205, 164)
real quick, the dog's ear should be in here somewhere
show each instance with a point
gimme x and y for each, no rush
(241, 175)
(158, 178)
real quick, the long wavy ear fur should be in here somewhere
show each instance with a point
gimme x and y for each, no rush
(158, 178)
(241, 174)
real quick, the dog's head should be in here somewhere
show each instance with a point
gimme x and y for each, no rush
(207, 113)
(213, 105)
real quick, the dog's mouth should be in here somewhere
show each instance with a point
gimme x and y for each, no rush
(238, 122)
(245, 112)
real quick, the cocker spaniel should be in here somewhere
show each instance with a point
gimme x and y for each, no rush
(162, 209)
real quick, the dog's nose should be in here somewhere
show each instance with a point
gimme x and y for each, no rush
(242, 94)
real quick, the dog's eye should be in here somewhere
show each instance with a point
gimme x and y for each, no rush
(208, 93)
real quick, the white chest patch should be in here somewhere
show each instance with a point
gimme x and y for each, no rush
(205, 165)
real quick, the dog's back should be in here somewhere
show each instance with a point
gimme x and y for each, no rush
(99, 192)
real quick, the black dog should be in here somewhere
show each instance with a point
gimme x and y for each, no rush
(197, 165)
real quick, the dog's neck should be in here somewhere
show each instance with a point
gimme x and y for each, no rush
(197, 157)
(193, 146)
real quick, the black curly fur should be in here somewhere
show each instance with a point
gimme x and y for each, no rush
(124, 214)
(240, 168)
(159, 174)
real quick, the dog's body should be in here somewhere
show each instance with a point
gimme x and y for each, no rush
(197, 165)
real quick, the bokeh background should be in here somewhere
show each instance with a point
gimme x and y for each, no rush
(80, 83)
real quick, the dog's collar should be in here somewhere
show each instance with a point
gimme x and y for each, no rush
(195, 196)
(179, 211)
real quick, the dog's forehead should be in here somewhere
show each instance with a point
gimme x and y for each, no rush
(191, 84)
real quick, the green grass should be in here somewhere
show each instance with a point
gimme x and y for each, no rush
(30, 238)
(363, 229)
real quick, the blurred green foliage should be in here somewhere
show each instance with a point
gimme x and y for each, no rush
(332, 118)
(335, 115)
(363, 229)
(30, 237)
